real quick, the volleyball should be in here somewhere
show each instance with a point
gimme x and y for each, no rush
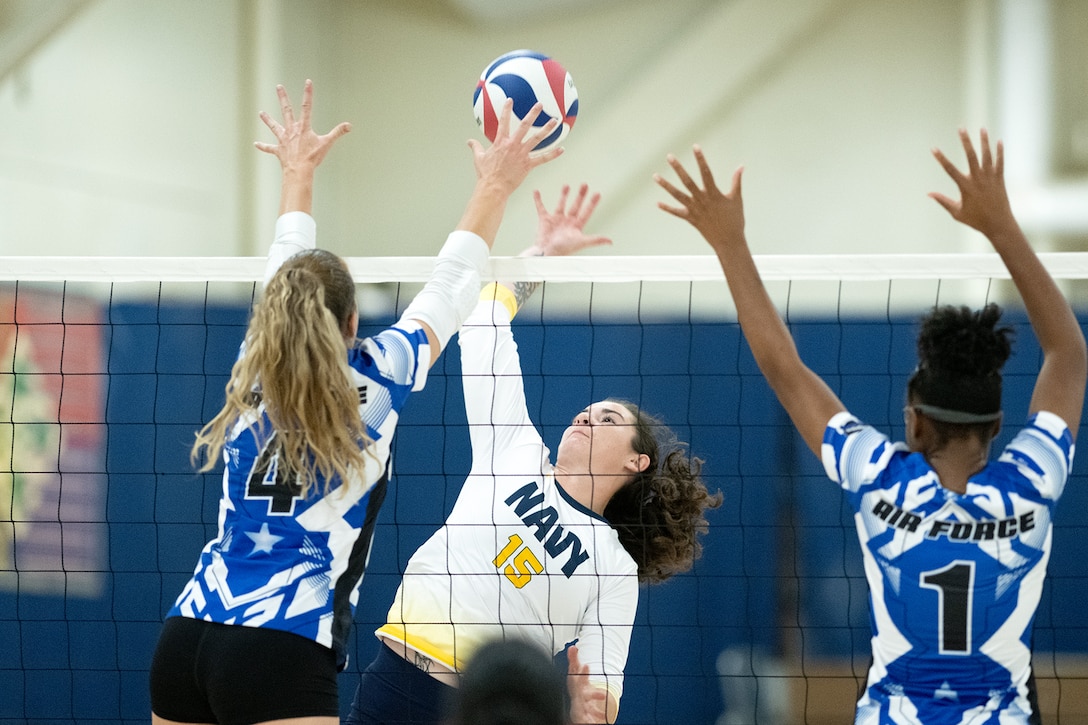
(527, 77)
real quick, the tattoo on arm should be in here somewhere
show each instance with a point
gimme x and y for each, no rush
(524, 290)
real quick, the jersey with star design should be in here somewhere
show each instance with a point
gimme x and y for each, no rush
(295, 563)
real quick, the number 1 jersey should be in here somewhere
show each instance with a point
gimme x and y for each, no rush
(954, 579)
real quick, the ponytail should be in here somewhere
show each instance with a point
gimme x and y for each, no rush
(294, 361)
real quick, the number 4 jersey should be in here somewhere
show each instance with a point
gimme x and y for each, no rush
(954, 579)
(293, 563)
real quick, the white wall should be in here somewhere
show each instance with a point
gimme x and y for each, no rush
(119, 135)
(129, 132)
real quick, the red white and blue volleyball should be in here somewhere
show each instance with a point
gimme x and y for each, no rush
(527, 77)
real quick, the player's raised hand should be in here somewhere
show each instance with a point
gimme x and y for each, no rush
(718, 216)
(562, 232)
(508, 160)
(984, 202)
(297, 145)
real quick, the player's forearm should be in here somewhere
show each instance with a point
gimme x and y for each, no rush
(297, 189)
(807, 399)
(484, 211)
(1051, 317)
(770, 341)
(491, 371)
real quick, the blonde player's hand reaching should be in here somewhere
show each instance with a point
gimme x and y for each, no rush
(299, 148)
(501, 167)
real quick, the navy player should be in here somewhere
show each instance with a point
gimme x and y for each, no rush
(258, 634)
(531, 550)
(955, 544)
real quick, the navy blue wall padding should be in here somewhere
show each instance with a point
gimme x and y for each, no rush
(781, 569)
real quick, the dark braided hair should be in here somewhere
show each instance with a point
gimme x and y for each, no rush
(660, 514)
(961, 353)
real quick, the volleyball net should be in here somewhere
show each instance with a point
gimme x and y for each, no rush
(109, 366)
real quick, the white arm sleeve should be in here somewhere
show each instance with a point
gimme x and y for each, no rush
(604, 639)
(295, 232)
(498, 418)
(454, 287)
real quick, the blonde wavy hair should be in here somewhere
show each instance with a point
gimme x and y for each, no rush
(295, 362)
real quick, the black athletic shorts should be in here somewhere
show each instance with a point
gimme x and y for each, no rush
(233, 675)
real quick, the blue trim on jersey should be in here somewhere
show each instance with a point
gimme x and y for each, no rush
(575, 504)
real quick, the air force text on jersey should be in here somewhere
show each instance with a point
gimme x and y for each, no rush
(956, 530)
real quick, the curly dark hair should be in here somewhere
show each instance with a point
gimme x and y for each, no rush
(961, 353)
(661, 513)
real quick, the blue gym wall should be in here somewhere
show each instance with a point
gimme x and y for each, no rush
(781, 552)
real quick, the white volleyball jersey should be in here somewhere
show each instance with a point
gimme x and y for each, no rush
(517, 556)
(954, 579)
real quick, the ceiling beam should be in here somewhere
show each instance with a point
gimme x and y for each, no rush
(683, 97)
(26, 25)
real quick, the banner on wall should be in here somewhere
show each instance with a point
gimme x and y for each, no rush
(52, 480)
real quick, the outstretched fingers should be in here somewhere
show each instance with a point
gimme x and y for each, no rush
(718, 216)
(308, 104)
(538, 200)
(540, 133)
(505, 114)
(969, 151)
(273, 125)
(678, 211)
(682, 174)
(705, 172)
(984, 142)
(584, 213)
(295, 138)
(339, 130)
(684, 210)
(286, 110)
(950, 205)
(950, 168)
(561, 206)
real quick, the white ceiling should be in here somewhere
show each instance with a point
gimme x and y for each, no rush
(495, 12)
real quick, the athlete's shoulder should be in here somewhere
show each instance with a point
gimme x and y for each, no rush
(854, 453)
(1041, 453)
(394, 354)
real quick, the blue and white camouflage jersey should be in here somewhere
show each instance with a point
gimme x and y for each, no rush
(293, 563)
(954, 579)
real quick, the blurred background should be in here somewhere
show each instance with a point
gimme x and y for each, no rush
(127, 128)
(128, 124)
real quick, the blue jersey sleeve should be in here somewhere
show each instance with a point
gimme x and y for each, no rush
(1043, 453)
(853, 453)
